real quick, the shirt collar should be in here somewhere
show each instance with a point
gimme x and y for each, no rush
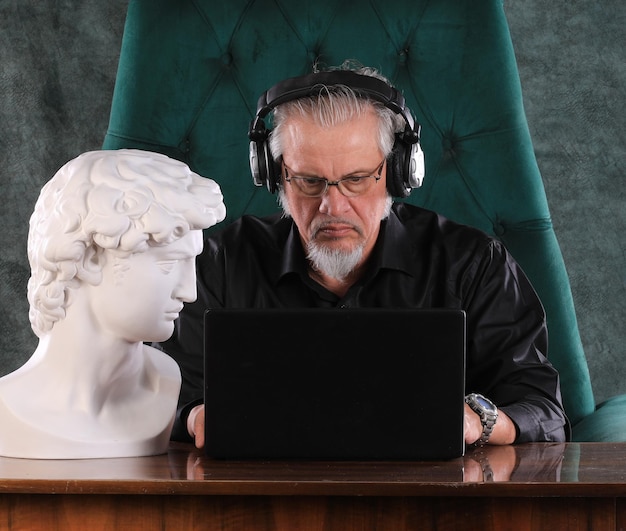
(294, 259)
(393, 249)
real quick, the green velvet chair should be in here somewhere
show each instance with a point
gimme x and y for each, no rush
(191, 71)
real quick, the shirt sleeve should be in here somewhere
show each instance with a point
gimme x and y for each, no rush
(508, 346)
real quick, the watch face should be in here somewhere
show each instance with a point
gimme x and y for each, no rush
(484, 403)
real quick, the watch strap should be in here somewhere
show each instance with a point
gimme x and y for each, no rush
(488, 417)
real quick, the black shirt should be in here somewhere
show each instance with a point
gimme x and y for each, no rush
(421, 260)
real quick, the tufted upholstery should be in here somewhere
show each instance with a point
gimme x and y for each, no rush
(191, 71)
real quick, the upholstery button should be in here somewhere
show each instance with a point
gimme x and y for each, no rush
(448, 147)
(498, 229)
(226, 59)
(185, 146)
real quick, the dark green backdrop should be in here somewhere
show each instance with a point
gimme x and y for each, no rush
(58, 62)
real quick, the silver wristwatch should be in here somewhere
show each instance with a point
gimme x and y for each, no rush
(488, 413)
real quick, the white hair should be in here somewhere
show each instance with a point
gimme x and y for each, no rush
(336, 104)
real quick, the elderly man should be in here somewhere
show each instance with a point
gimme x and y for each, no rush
(342, 145)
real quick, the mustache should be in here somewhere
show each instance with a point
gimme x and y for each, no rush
(321, 225)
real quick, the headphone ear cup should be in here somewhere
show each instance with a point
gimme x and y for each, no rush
(416, 169)
(405, 168)
(257, 164)
(397, 171)
(265, 172)
(273, 169)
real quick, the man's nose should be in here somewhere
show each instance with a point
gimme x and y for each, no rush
(333, 201)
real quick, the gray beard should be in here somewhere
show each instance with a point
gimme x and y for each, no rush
(335, 263)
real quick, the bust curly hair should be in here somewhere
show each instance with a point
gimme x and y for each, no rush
(123, 201)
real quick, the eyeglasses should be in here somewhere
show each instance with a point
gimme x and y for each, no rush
(348, 186)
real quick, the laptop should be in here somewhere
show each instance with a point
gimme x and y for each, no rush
(349, 384)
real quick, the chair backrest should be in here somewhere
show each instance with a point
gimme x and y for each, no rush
(191, 71)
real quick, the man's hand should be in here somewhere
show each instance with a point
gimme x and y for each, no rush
(504, 431)
(195, 425)
(473, 428)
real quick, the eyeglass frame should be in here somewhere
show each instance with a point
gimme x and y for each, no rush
(377, 175)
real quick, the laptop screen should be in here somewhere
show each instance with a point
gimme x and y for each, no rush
(334, 383)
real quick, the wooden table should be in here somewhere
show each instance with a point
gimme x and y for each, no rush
(533, 486)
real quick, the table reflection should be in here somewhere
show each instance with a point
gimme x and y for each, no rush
(523, 463)
(536, 462)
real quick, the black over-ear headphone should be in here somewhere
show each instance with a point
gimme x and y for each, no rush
(405, 164)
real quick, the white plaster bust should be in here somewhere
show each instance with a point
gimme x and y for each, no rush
(112, 246)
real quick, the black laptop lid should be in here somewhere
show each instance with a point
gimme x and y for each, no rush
(334, 384)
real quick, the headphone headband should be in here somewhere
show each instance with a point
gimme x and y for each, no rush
(312, 84)
(406, 161)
